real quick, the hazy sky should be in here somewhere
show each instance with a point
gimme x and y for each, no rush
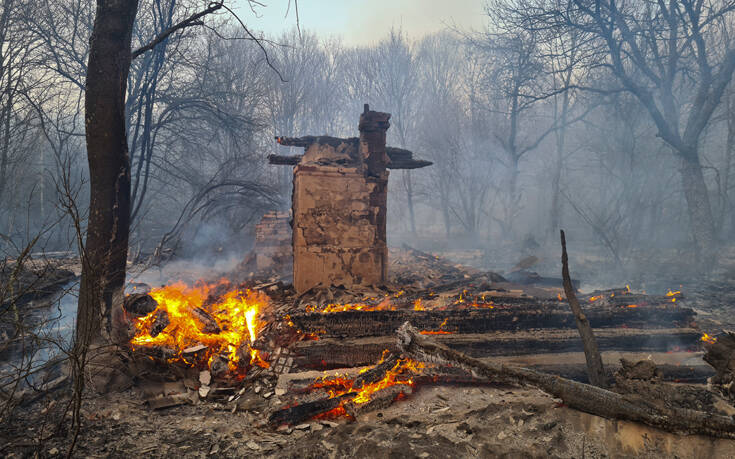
(365, 21)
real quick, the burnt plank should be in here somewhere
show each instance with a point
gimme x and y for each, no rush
(357, 324)
(327, 354)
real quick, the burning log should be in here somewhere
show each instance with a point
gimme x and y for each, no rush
(210, 324)
(376, 373)
(584, 397)
(378, 400)
(140, 304)
(160, 322)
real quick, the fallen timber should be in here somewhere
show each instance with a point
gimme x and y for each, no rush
(329, 353)
(556, 315)
(584, 397)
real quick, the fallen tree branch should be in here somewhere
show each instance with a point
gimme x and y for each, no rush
(595, 369)
(583, 397)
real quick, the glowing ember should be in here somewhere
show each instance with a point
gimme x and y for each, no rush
(225, 326)
(632, 305)
(670, 293)
(708, 339)
(594, 298)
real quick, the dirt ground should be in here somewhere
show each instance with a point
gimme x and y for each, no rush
(437, 421)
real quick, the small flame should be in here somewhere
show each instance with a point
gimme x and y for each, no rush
(632, 305)
(558, 295)
(418, 305)
(708, 339)
(595, 298)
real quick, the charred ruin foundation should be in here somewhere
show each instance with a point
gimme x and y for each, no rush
(340, 195)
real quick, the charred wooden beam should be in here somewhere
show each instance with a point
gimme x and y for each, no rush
(305, 411)
(356, 324)
(328, 353)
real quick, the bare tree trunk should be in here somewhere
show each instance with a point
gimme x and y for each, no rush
(700, 211)
(106, 246)
(407, 179)
(595, 369)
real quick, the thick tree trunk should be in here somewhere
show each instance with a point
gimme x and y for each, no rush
(106, 246)
(700, 211)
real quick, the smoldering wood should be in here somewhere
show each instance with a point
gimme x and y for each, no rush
(210, 325)
(380, 399)
(595, 368)
(356, 324)
(329, 353)
(584, 397)
(720, 353)
(140, 304)
(305, 411)
(160, 322)
(376, 373)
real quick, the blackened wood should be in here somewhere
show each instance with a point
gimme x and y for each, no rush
(209, 324)
(355, 324)
(584, 397)
(595, 369)
(326, 354)
(376, 373)
(160, 322)
(305, 411)
(382, 398)
(140, 304)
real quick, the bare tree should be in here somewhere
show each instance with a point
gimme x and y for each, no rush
(674, 57)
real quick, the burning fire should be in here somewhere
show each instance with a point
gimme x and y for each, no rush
(340, 385)
(708, 339)
(227, 326)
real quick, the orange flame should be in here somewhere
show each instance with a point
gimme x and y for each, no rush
(340, 385)
(595, 298)
(235, 314)
(384, 305)
(708, 339)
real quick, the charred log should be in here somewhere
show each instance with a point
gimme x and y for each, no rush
(584, 397)
(324, 354)
(140, 304)
(355, 324)
(209, 324)
(305, 411)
